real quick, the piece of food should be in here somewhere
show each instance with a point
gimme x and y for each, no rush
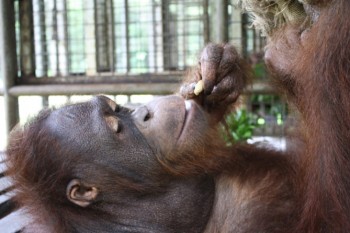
(199, 87)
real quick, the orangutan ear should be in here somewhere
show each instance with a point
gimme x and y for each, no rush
(81, 194)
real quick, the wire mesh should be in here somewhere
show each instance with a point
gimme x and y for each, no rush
(89, 37)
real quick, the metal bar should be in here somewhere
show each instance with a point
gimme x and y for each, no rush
(117, 89)
(111, 34)
(45, 101)
(171, 36)
(8, 61)
(206, 28)
(66, 37)
(7, 207)
(89, 39)
(254, 41)
(165, 33)
(165, 77)
(42, 38)
(55, 36)
(127, 35)
(182, 43)
(62, 37)
(101, 35)
(154, 38)
(92, 89)
(244, 41)
(26, 39)
(221, 17)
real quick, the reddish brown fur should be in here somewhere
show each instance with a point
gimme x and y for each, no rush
(315, 73)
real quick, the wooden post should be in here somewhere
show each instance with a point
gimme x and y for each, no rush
(8, 61)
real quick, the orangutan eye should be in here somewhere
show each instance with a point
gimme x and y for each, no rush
(114, 123)
(117, 108)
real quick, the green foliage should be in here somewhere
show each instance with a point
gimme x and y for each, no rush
(240, 126)
(259, 71)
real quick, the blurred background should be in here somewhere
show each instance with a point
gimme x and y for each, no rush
(58, 51)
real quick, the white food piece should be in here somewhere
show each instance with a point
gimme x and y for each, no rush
(199, 87)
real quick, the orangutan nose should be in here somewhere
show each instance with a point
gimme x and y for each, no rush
(141, 114)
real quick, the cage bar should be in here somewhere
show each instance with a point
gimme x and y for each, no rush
(27, 39)
(8, 60)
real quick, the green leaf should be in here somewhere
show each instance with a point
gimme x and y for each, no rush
(241, 125)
